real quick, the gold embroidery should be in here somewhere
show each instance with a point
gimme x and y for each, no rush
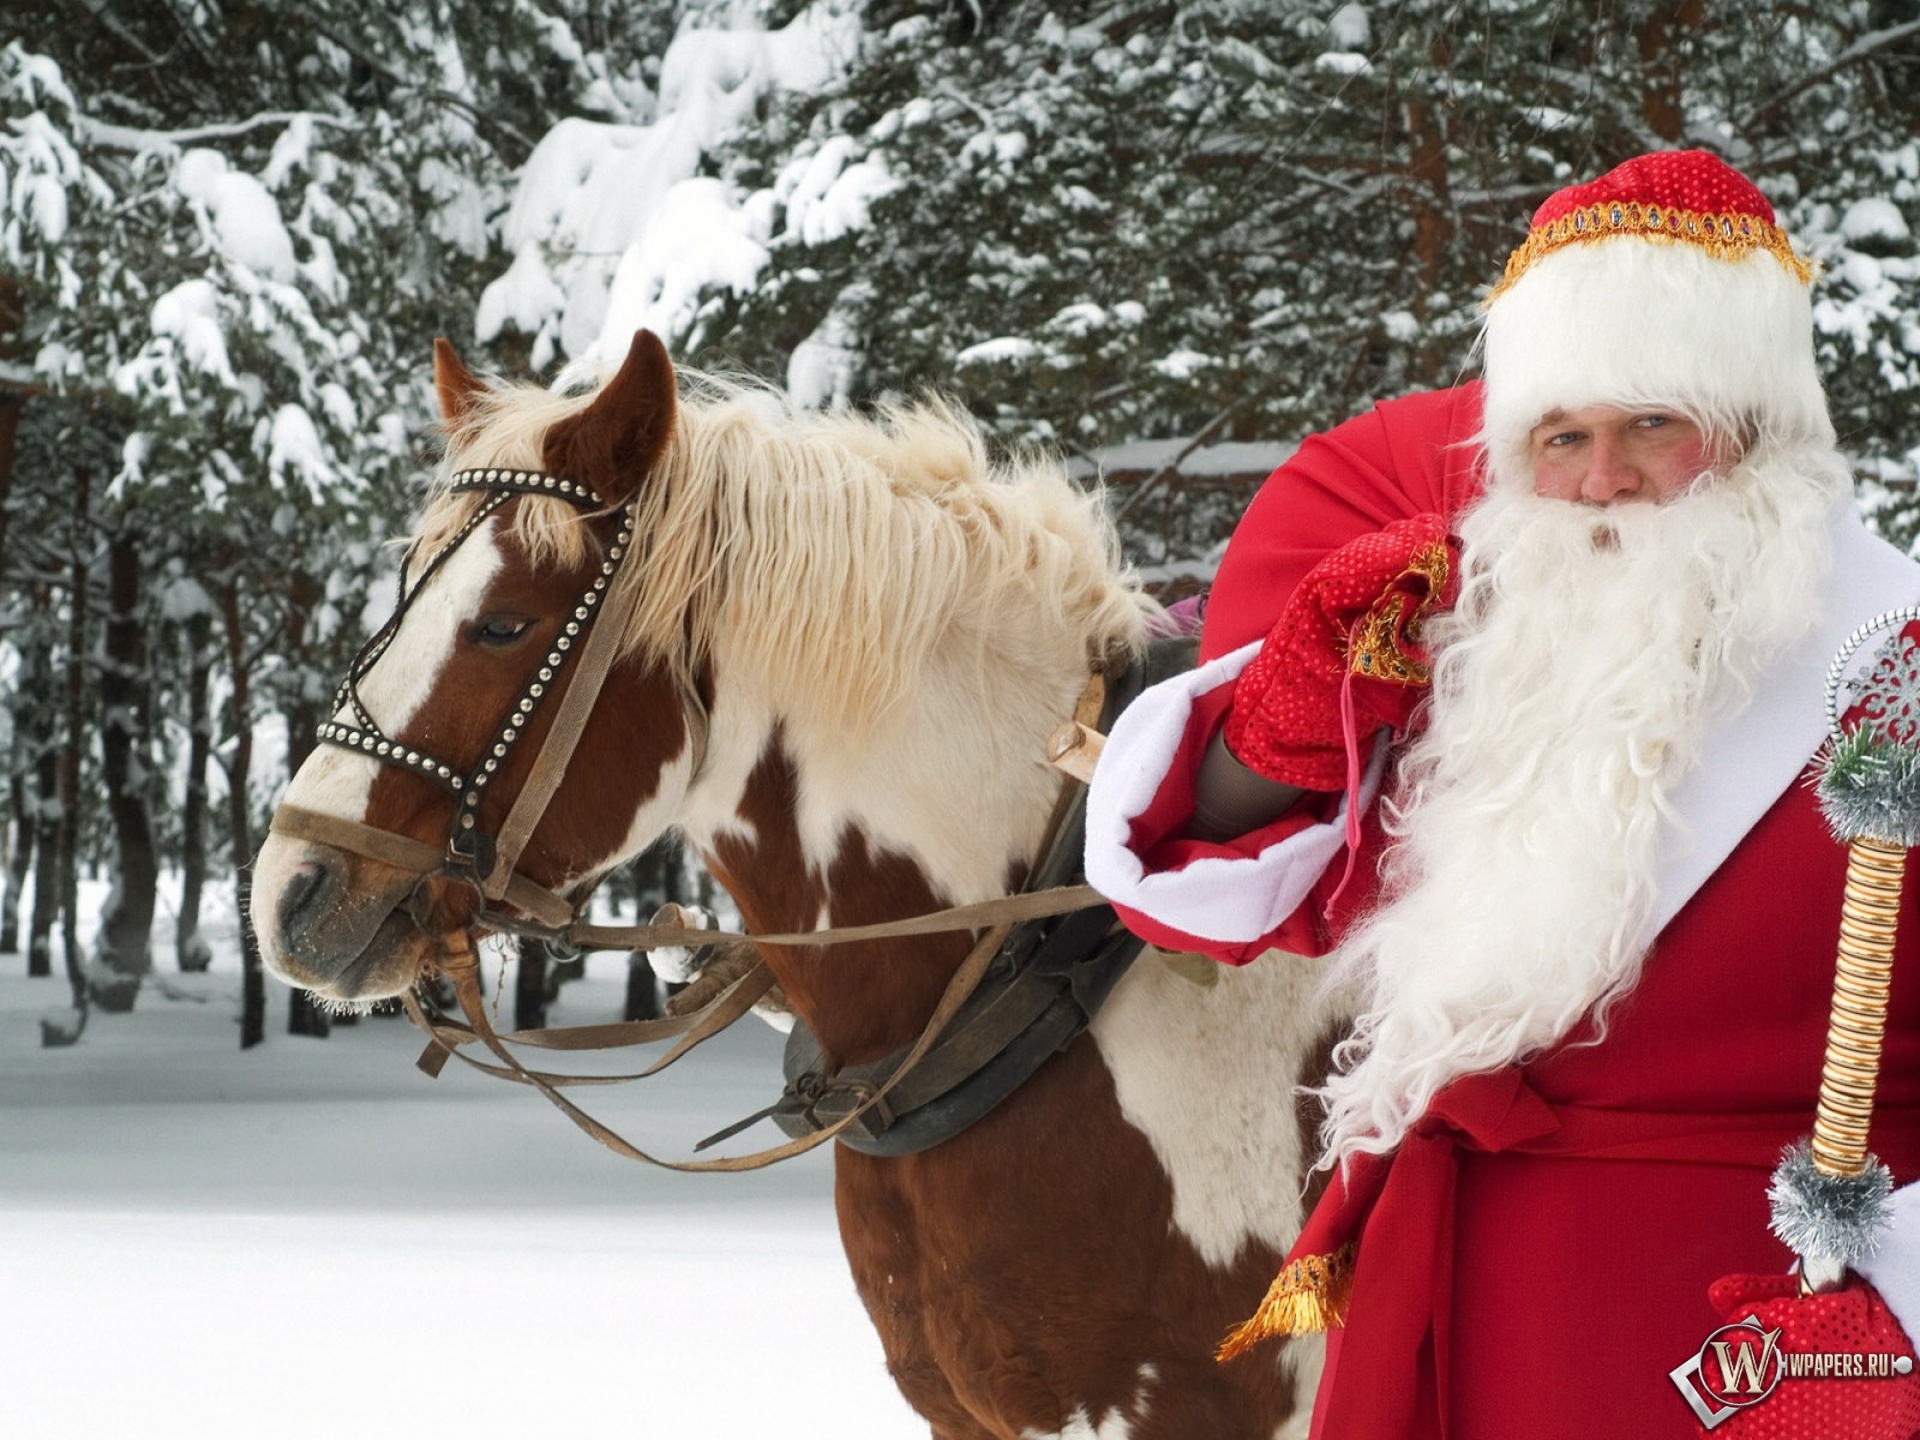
(1373, 649)
(1722, 236)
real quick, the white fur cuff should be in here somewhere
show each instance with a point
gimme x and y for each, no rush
(1225, 899)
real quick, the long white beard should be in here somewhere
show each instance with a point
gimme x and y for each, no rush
(1573, 686)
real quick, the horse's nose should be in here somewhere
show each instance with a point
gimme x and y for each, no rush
(309, 891)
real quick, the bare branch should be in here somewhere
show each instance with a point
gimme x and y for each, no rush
(479, 116)
(1865, 48)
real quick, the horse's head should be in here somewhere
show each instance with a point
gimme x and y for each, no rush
(451, 709)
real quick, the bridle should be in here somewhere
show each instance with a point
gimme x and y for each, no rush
(589, 640)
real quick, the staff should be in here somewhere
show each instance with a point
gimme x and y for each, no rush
(1831, 1195)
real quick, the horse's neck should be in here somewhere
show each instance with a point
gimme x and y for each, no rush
(943, 803)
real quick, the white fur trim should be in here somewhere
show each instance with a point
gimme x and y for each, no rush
(1225, 900)
(1750, 758)
(1631, 321)
(1894, 1269)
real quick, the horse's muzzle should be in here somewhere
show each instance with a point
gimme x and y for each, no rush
(335, 924)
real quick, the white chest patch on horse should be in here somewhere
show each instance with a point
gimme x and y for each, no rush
(1207, 1074)
(339, 782)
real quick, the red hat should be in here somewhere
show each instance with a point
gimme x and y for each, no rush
(1687, 196)
(1666, 282)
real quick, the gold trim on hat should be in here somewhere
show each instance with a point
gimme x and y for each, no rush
(1725, 237)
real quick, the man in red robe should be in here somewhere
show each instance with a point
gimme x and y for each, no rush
(1506, 698)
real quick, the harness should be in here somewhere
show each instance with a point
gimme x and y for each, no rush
(1031, 983)
(1044, 987)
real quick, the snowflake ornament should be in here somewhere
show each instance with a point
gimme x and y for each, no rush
(1870, 774)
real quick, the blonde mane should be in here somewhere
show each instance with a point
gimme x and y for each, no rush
(833, 553)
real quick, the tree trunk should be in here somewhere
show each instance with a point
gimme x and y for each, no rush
(304, 1014)
(1430, 192)
(1662, 62)
(253, 981)
(190, 950)
(125, 952)
(46, 872)
(19, 862)
(12, 397)
(71, 745)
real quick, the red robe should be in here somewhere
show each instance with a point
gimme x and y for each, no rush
(1536, 1260)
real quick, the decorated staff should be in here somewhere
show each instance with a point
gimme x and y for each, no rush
(1831, 1197)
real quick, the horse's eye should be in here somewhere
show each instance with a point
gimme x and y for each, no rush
(498, 630)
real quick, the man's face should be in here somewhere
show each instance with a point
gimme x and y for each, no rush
(1604, 455)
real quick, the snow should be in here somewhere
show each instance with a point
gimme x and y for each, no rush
(1343, 62)
(829, 193)
(1182, 364)
(613, 228)
(1350, 27)
(312, 1239)
(1874, 218)
(999, 350)
(1228, 457)
(245, 220)
(822, 367)
(294, 445)
(190, 313)
(702, 236)
(45, 205)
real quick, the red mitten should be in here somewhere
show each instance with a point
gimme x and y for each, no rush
(1840, 1366)
(1351, 630)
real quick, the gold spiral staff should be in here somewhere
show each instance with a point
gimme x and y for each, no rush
(1830, 1196)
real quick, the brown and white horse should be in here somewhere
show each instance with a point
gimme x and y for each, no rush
(883, 630)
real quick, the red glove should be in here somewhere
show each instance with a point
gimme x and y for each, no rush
(1884, 1404)
(1352, 629)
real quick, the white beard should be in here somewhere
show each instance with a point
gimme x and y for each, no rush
(1574, 684)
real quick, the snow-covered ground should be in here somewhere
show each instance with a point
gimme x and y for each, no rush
(314, 1239)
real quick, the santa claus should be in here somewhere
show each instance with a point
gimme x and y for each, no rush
(1506, 700)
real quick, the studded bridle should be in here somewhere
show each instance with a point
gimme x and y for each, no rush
(487, 860)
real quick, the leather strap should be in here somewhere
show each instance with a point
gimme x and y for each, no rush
(412, 856)
(459, 963)
(591, 666)
(717, 1014)
(552, 911)
(461, 966)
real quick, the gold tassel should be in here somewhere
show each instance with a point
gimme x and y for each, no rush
(1305, 1298)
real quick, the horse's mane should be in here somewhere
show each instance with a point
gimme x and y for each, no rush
(834, 550)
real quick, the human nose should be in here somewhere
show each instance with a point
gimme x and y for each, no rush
(1611, 474)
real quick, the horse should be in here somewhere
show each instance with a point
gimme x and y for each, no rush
(848, 638)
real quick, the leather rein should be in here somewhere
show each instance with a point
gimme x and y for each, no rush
(487, 861)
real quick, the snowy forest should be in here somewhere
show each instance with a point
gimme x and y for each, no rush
(230, 231)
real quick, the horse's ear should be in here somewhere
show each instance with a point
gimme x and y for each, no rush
(457, 386)
(613, 443)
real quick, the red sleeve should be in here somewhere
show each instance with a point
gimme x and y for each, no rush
(1406, 457)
